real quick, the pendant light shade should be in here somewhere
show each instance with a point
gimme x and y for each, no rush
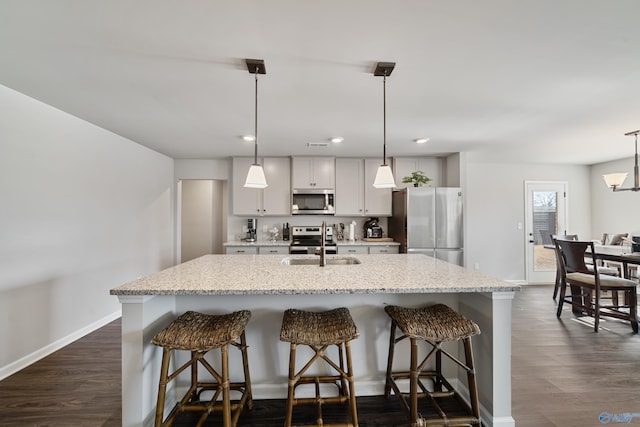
(384, 176)
(255, 177)
(615, 180)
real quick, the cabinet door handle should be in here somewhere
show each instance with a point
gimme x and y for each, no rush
(239, 251)
(273, 251)
(384, 250)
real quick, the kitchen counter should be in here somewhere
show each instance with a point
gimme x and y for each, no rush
(266, 274)
(260, 243)
(262, 284)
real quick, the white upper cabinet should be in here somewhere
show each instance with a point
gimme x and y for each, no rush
(275, 199)
(313, 172)
(350, 190)
(430, 166)
(355, 193)
(245, 201)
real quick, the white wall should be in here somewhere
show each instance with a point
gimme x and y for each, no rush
(82, 211)
(495, 204)
(614, 212)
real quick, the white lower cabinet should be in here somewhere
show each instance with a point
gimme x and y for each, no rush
(368, 249)
(391, 249)
(241, 250)
(257, 250)
(353, 250)
(273, 250)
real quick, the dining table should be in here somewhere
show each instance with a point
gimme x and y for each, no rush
(626, 259)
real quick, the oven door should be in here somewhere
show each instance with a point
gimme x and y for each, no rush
(300, 250)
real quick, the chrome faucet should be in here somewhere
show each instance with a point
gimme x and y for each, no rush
(323, 243)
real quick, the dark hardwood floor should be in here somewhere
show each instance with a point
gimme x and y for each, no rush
(563, 374)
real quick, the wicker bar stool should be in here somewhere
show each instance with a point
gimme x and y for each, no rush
(319, 330)
(199, 333)
(435, 325)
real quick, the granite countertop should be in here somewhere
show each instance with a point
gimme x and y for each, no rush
(287, 243)
(265, 274)
(258, 243)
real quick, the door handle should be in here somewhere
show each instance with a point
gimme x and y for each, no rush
(532, 241)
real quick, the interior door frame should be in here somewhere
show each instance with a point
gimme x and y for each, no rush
(562, 188)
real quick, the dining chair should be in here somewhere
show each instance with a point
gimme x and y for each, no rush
(592, 284)
(558, 261)
(602, 269)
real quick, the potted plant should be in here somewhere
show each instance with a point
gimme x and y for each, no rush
(417, 178)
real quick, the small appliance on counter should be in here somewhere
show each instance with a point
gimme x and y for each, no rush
(635, 245)
(372, 229)
(286, 232)
(252, 227)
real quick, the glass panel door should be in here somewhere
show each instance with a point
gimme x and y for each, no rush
(546, 207)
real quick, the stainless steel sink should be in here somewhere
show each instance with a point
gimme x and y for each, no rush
(316, 261)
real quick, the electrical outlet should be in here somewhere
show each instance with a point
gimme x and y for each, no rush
(476, 266)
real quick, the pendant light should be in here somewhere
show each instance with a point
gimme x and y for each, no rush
(384, 176)
(615, 180)
(255, 177)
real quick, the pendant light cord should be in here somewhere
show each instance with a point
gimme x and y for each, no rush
(255, 152)
(636, 179)
(384, 119)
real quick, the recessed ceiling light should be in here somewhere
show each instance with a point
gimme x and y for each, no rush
(248, 138)
(336, 139)
(421, 140)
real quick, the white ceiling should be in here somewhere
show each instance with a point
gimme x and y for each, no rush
(531, 80)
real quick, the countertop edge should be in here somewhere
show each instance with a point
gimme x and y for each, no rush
(481, 289)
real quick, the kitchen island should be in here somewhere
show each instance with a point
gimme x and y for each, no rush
(267, 286)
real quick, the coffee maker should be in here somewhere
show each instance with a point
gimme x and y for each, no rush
(252, 226)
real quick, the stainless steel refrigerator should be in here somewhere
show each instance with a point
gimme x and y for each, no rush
(429, 221)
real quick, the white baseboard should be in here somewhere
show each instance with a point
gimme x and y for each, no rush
(43, 352)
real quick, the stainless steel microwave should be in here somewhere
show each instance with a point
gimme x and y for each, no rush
(313, 202)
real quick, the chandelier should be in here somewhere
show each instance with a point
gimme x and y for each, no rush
(615, 180)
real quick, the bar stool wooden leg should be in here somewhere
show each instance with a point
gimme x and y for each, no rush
(162, 388)
(471, 378)
(352, 392)
(226, 399)
(392, 346)
(245, 366)
(413, 383)
(291, 384)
